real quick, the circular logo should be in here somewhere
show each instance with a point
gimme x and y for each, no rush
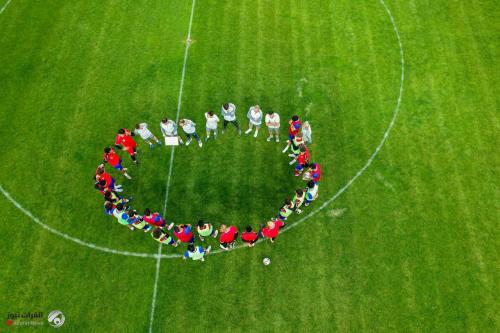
(56, 318)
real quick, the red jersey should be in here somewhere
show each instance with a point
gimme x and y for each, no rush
(125, 140)
(154, 220)
(304, 157)
(273, 233)
(104, 176)
(294, 127)
(185, 235)
(229, 235)
(316, 173)
(249, 236)
(112, 158)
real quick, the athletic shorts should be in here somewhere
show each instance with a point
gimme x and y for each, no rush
(273, 130)
(291, 137)
(118, 166)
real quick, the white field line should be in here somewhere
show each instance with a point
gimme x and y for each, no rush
(5, 6)
(169, 176)
(324, 205)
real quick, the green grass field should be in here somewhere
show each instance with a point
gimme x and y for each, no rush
(411, 246)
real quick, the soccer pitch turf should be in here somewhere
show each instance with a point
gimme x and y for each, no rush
(403, 239)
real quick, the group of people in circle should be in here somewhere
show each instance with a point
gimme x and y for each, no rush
(118, 206)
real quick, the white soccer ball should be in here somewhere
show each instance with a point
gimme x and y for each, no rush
(266, 261)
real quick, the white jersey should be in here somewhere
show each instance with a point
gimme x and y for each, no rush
(211, 121)
(230, 113)
(254, 117)
(189, 127)
(168, 129)
(274, 121)
(143, 131)
(307, 132)
(312, 193)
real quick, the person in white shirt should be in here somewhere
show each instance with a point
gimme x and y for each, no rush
(189, 127)
(273, 125)
(228, 112)
(143, 131)
(254, 116)
(212, 122)
(169, 129)
(307, 133)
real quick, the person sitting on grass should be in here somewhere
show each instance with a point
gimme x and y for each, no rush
(312, 192)
(163, 237)
(286, 210)
(196, 252)
(272, 229)
(205, 229)
(298, 200)
(249, 237)
(184, 234)
(227, 237)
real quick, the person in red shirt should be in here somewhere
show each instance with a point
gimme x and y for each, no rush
(125, 142)
(155, 219)
(314, 173)
(293, 130)
(112, 158)
(109, 182)
(302, 160)
(249, 237)
(184, 234)
(272, 229)
(227, 237)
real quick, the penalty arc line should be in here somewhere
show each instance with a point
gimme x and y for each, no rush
(326, 203)
(170, 167)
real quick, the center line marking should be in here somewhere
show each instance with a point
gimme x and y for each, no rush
(169, 176)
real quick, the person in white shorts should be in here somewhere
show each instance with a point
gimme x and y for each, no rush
(211, 126)
(189, 127)
(254, 116)
(169, 129)
(145, 134)
(273, 125)
(307, 133)
(228, 112)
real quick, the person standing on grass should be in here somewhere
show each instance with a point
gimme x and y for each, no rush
(298, 200)
(227, 237)
(111, 157)
(272, 229)
(211, 126)
(184, 233)
(286, 210)
(294, 128)
(228, 112)
(302, 160)
(143, 131)
(249, 237)
(155, 219)
(314, 173)
(196, 252)
(109, 181)
(169, 129)
(189, 127)
(206, 230)
(307, 133)
(137, 222)
(121, 216)
(297, 142)
(254, 116)
(163, 237)
(125, 142)
(273, 125)
(311, 192)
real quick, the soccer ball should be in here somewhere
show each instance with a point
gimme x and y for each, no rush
(266, 261)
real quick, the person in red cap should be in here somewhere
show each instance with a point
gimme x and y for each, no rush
(125, 142)
(227, 236)
(184, 234)
(272, 229)
(249, 237)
